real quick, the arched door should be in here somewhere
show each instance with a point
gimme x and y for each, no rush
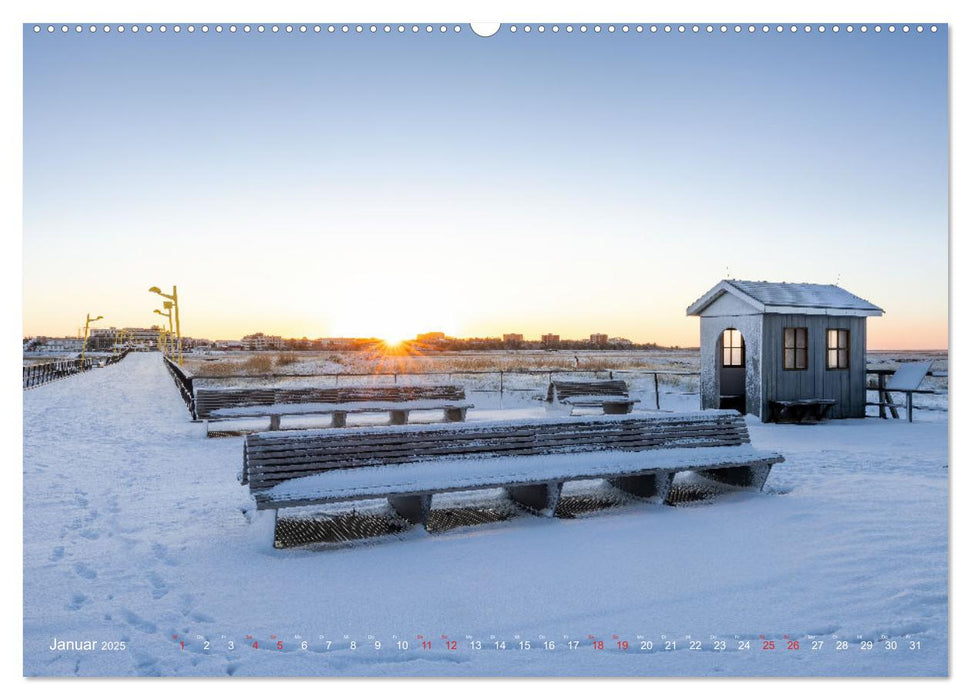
(731, 370)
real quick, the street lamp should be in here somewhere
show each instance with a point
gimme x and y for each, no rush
(168, 314)
(84, 345)
(174, 298)
(162, 342)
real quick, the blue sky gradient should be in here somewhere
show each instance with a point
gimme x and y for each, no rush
(330, 184)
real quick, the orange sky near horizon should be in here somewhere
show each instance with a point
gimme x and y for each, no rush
(904, 331)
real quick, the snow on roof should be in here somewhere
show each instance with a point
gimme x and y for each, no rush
(786, 297)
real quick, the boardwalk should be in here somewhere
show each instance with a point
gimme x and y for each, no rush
(137, 531)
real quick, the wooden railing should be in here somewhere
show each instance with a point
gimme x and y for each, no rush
(501, 385)
(46, 372)
(184, 383)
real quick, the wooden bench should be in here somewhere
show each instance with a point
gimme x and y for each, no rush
(610, 395)
(530, 460)
(273, 403)
(800, 410)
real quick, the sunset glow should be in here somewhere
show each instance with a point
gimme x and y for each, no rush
(310, 208)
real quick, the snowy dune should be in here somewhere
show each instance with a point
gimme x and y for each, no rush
(136, 531)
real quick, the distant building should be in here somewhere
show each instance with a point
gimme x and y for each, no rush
(513, 340)
(598, 338)
(261, 341)
(58, 345)
(550, 340)
(773, 341)
(106, 338)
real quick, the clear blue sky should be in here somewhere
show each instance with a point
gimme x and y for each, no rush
(319, 185)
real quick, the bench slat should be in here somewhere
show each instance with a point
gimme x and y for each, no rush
(272, 458)
(286, 469)
(448, 476)
(210, 399)
(503, 442)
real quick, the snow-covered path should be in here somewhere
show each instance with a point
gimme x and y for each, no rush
(136, 531)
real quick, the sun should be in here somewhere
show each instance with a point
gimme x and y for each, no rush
(393, 340)
(392, 325)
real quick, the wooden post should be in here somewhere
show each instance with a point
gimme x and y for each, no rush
(892, 405)
(454, 415)
(657, 394)
(540, 499)
(414, 509)
(645, 485)
(910, 407)
(753, 476)
(881, 394)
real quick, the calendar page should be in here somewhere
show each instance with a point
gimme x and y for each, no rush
(524, 349)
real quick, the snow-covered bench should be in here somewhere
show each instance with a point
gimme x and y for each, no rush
(224, 404)
(531, 460)
(610, 395)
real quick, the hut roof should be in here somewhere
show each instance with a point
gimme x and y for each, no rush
(786, 297)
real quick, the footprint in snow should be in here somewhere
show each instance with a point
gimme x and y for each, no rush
(85, 571)
(138, 622)
(57, 553)
(77, 601)
(145, 665)
(161, 553)
(159, 586)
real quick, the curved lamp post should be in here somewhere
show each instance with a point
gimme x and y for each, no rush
(84, 345)
(174, 298)
(168, 314)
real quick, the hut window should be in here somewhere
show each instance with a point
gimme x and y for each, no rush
(733, 348)
(795, 351)
(837, 348)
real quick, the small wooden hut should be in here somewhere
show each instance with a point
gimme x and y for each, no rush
(765, 343)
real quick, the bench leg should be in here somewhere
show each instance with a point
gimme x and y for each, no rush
(753, 476)
(206, 423)
(645, 485)
(338, 419)
(454, 415)
(244, 473)
(414, 509)
(274, 422)
(540, 499)
(613, 409)
(277, 542)
(399, 417)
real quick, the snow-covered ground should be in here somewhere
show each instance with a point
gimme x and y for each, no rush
(137, 532)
